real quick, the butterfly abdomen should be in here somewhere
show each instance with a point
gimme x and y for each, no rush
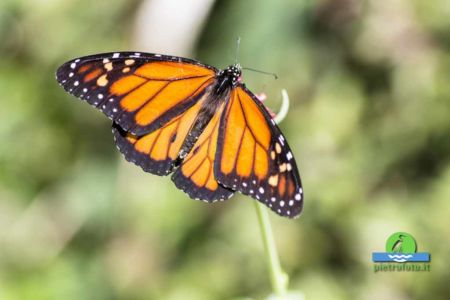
(214, 99)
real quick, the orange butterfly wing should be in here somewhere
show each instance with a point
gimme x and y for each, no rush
(254, 158)
(157, 152)
(195, 176)
(140, 92)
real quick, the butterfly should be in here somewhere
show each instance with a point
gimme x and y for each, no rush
(176, 115)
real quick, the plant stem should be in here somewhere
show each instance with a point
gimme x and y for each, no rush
(284, 107)
(278, 278)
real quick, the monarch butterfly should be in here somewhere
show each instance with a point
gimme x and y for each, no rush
(173, 114)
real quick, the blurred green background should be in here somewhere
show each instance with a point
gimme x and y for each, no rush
(369, 125)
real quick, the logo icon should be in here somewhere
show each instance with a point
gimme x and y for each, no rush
(401, 247)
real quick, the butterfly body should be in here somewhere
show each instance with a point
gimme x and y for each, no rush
(216, 95)
(176, 115)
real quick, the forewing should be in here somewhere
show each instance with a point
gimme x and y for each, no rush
(140, 92)
(254, 158)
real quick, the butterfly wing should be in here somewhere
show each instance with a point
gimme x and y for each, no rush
(253, 156)
(157, 152)
(195, 176)
(140, 92)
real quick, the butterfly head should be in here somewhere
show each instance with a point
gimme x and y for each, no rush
(233, 73)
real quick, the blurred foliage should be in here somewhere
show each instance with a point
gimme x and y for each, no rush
(369, 125)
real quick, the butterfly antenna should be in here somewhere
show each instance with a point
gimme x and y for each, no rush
(238, 43)
(262, 72)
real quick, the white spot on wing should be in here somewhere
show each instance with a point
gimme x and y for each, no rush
(289, 155)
